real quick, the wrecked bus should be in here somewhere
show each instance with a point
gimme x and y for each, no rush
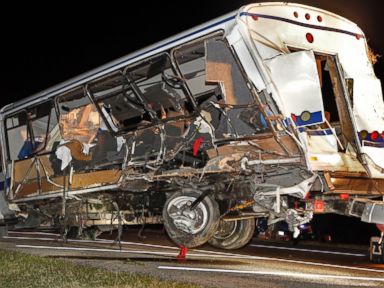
(272, 111)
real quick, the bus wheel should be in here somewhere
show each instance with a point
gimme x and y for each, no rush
(376, 250)
(233, 234)
(190, 227)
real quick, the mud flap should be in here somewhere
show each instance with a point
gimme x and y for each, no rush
(376, 250)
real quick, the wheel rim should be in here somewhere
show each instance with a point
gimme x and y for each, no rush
(226, 230)
(185, 219)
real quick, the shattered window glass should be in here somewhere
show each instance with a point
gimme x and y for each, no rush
(161, 88)
(120, 106)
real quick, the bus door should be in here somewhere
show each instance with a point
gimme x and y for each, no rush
(313, 101)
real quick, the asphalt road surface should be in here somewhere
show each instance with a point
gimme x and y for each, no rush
(260, 264)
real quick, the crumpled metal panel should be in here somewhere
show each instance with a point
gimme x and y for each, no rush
(297, 81)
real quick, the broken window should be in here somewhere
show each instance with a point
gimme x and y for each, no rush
(161, 88)
(44, 126)
(191, 62)
(216, 82)
(19, 145)
(122, 109)
(79, 119)
(31, 130)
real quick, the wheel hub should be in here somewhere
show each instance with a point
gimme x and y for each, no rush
(226, 229)
(185, 219)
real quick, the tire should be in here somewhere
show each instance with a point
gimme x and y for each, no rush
(233, 234)
(190, 228)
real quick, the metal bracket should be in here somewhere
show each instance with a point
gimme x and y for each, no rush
(200, 198)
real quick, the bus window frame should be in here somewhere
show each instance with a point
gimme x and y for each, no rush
(29, 130)
(64, 94)
(93, 100)
(219, 35)
(155, 120)
(177, 73)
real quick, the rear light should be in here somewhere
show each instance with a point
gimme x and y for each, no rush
(305, 116)
(296, 14)
(344, 196)
(319, 206)
(364, 134)
(307, 16)
(309, 37)
(374, 135)
(319, 18)
(382, 135)
(358, 36)
(254, 17)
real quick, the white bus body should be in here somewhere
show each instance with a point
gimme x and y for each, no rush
(272, 111)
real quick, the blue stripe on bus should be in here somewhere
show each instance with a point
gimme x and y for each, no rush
(316, 117)
(368, 137)
(320, 132)
(312, 26)
(373, 144)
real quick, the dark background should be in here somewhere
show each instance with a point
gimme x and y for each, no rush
(45, 45)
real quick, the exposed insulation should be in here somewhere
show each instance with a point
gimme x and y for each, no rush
(80, 124)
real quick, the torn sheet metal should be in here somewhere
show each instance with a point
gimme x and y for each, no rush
(242, 51)
(300, 189)
(296, 79)
(320, 141)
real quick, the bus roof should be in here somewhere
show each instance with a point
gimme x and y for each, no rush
(158, 47)
(222, 22)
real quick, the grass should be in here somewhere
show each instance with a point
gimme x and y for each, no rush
(29, 271)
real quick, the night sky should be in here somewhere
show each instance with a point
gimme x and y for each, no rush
(43, 46)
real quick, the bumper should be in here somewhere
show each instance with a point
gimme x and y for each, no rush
(373, 212)
(368, 210)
